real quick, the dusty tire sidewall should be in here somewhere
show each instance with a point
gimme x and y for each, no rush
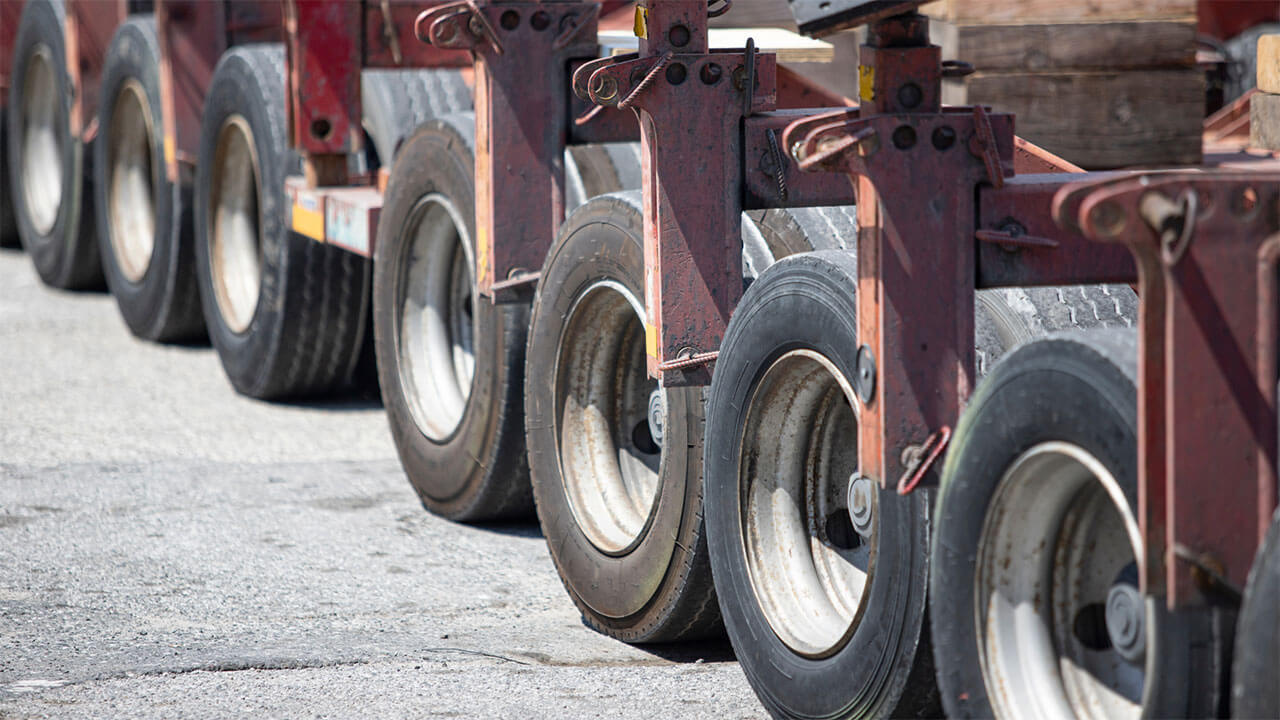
(437, 159)
(1040, 393)
(817, 287)
(237, 90)
(133, 54)
(56, 254)
(624, 592)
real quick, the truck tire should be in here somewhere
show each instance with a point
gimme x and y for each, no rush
(450, 364)
(618, 485)
(143, 219)
(397, 102)
(286, 314)
(1036, 520)
(820, 631)
(8, 223)
(47, 163)
(1256, 670)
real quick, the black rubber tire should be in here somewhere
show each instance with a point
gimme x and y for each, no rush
(1008, 317)
(67, 255)
(8, 223)
(1078, 388)
(397, 102)
(1256, 669)
(164, 304)
(592, 170)
(1004, 318)
(479, 472)
(885, 667)
(659, 589)
(305, 334)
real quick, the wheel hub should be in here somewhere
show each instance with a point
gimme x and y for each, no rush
(808, 562)
(657, 415)
(1126, 622)
(861, 503)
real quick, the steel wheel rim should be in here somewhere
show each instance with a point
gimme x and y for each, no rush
(808, 568)
(1057, 534)
(436, 333)
(43, 136)
(235, 235)
(131, 182)
(610, 460)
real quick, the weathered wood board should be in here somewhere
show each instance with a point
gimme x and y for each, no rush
(1058, 11)
(1037, 47)
(1098, 120)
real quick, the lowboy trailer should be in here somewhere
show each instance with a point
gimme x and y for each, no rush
(948, 461)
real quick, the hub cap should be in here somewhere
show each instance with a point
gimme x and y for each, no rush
(1057, 537)
(131, 186)
(43, 136)
(437, 323)
(809, 567)
(235, 238)
(610, 460)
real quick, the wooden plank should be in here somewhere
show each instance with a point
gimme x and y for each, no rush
(756, 13)
(1079, 46)
(1023, 11)
(1264, 121)
(1269, 63)
(787, 45)
(1098, 120)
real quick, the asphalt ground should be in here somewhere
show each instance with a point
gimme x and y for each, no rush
(171, 549)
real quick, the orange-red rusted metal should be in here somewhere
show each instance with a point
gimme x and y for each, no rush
(523, 52)
(690, 109)
(10, 16)
(918, 167)
(1206, 246)
(193, 34)
(1020, 208)
(88, 30)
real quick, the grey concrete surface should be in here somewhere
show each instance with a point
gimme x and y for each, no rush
(170, 549)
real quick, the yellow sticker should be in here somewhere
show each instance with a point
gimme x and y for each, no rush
(168, 149)
(866, 83)
(309, 222)
(650, 340)
(642, 22)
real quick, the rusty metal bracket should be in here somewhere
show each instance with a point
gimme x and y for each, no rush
(917, 459)
(1207, 245)
(984, 146)
(695, 360)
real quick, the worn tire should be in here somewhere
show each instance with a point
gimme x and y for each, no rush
(58, 237)
(656, 585)
(1256, 669)
(468, 462)
(294, 330)
(143, 219)
(877, 662)
(397, 102)
(1067, 403)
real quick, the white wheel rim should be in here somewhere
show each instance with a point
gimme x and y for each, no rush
(436, 334)
(1057, 535)
(235, 235)
(808, 568)
(131, 182)
(610, 462)
(43, 135)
